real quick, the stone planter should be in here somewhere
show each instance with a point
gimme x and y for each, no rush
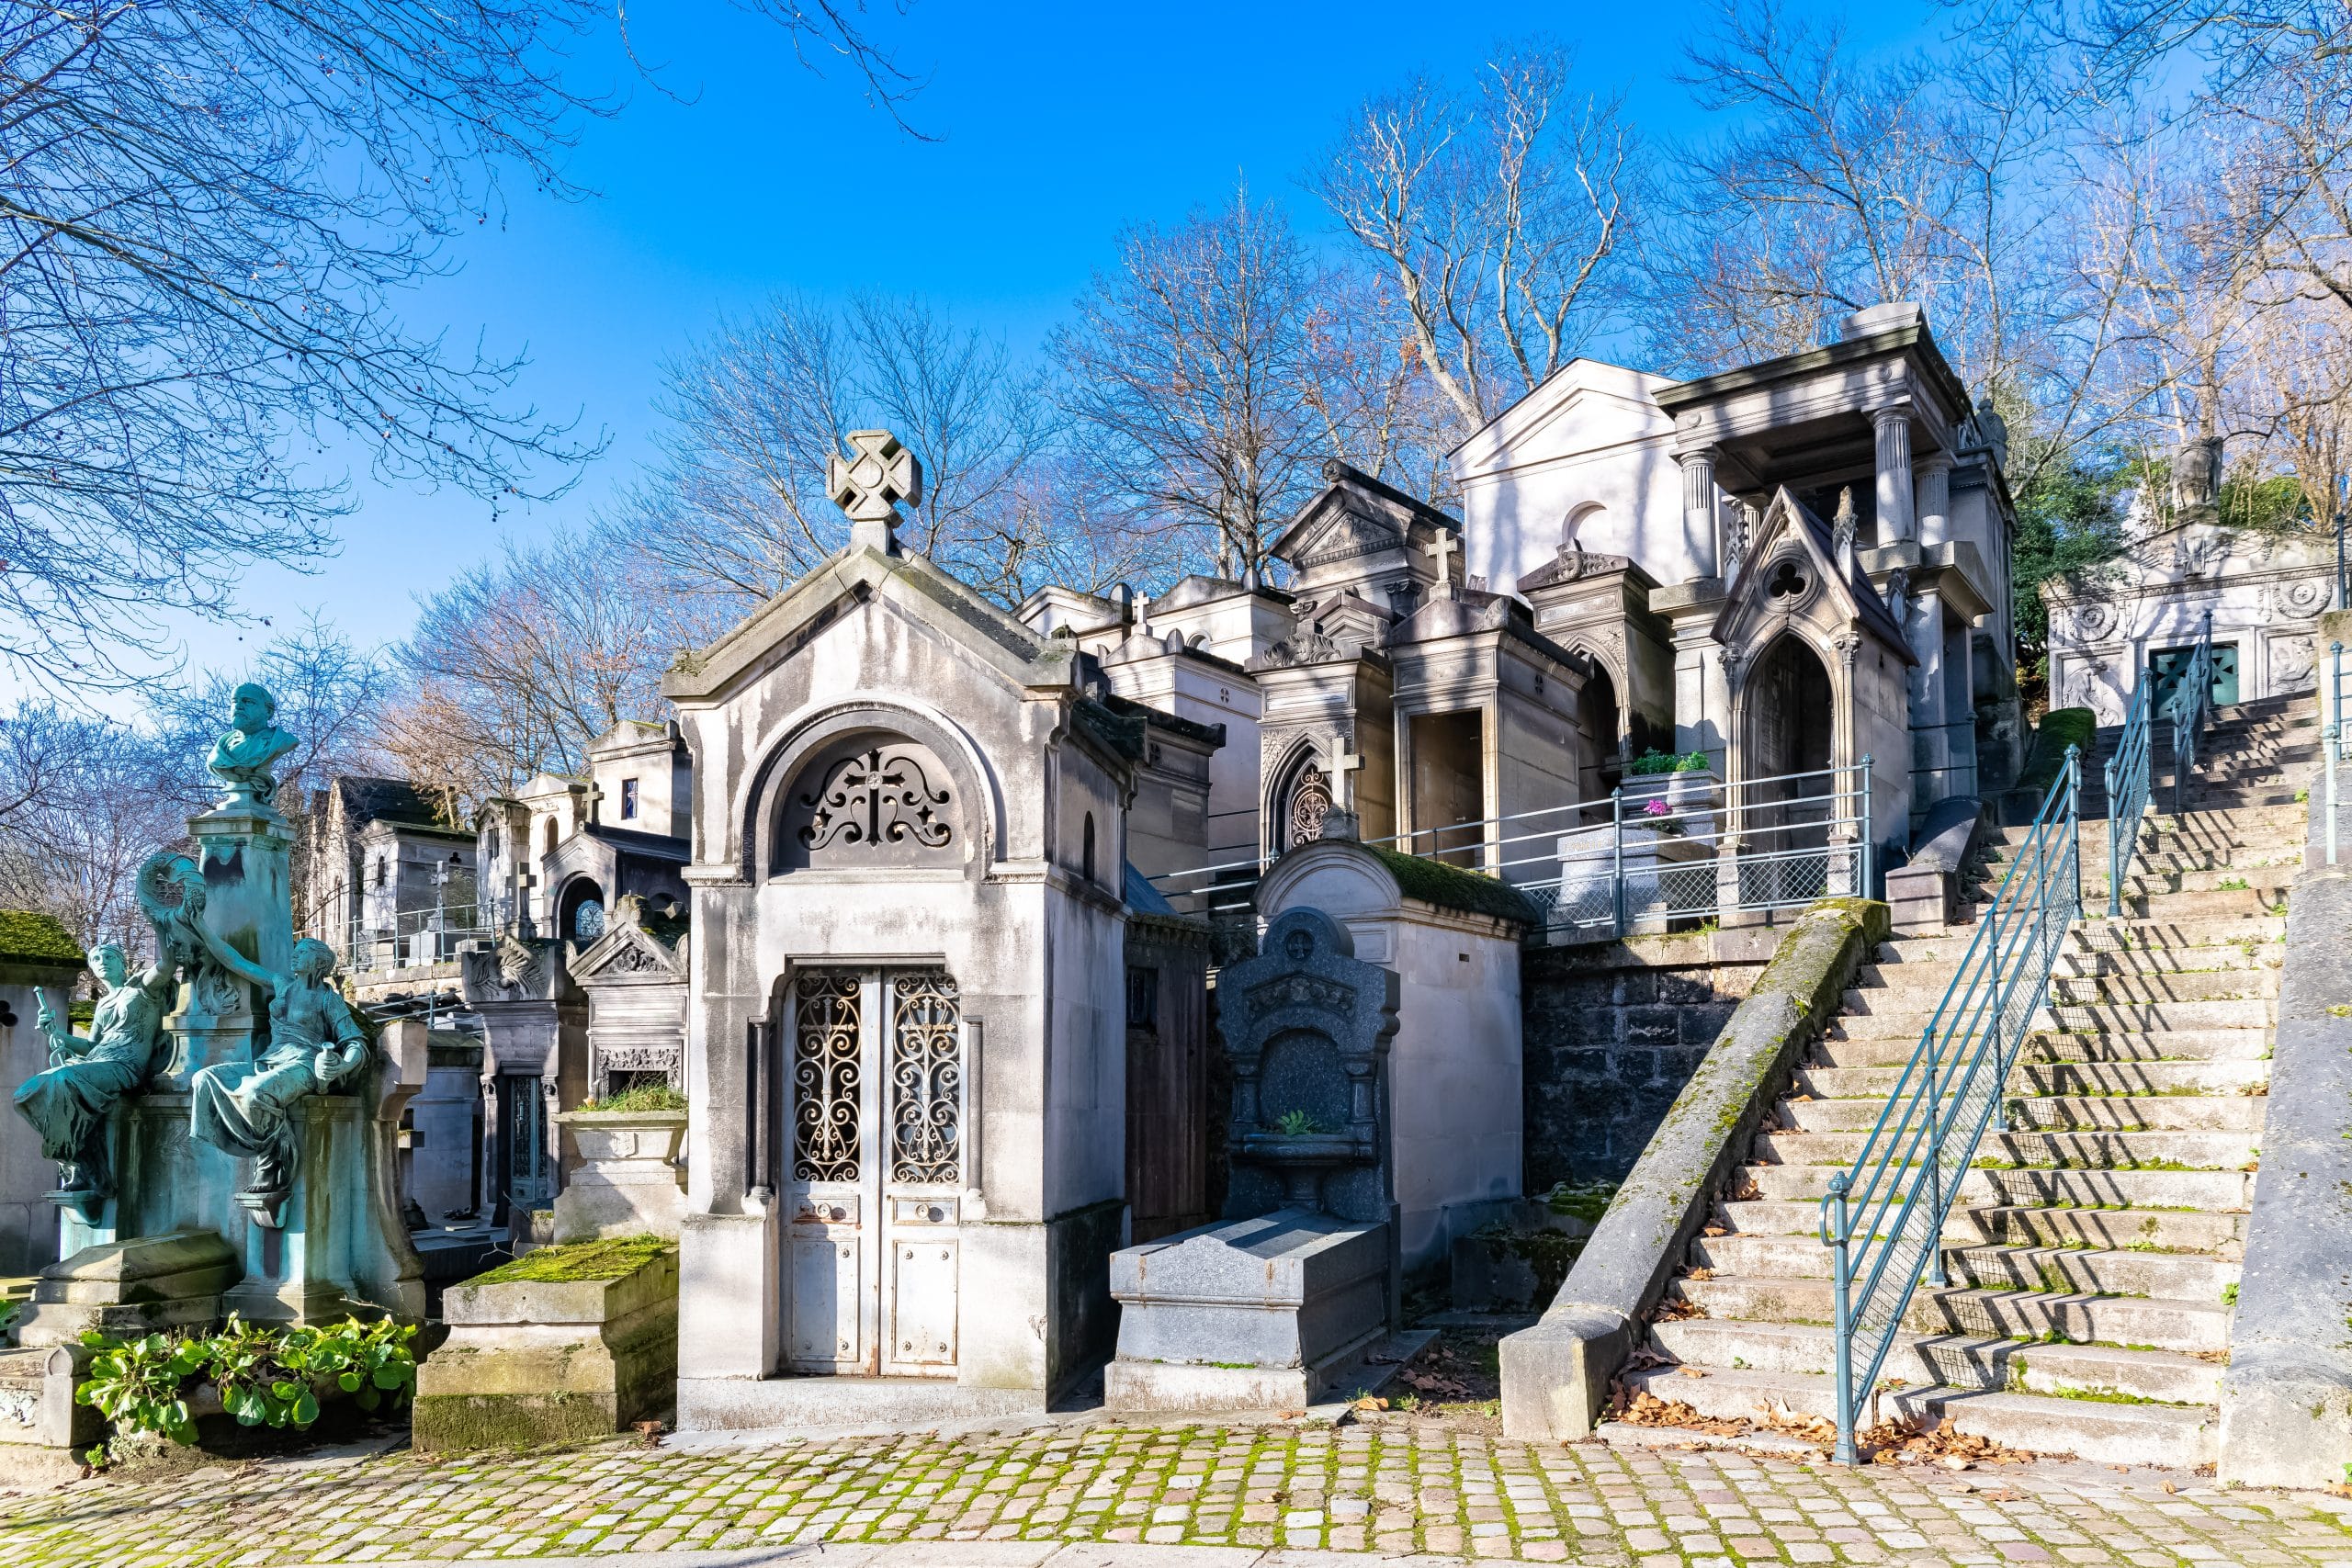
(551, 1360)
(1692, 797)
(628, 1182)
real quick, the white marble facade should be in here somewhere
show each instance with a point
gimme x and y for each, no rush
(2264, 593)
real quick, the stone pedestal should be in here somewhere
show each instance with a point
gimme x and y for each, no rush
(244, 852)
(29, 1234)
(532, 1361)
(146, 1285)
(342, 1246)
(627, 1181)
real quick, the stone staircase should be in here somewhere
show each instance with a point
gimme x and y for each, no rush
(2094, 1253)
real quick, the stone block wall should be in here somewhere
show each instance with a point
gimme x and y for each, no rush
(1611, 1032)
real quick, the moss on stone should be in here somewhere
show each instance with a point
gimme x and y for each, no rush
(613, 1259)
(1452, 887)
(2059, 728)
(30, 937)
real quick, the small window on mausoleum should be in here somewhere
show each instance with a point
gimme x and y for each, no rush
(629, 800)
(1086, 849)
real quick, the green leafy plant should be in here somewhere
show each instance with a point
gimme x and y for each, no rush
(136, 1382)
(1654, 761)
(1298, 1125)
(264, 1376)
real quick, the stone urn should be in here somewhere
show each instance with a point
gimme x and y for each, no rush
(629, 1180)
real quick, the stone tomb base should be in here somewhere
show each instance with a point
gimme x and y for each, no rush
(1275, 1312)
(532, 1361)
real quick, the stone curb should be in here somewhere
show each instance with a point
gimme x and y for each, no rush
(2287, 1398)
(1556, 1375)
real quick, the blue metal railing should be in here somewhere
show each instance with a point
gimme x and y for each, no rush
(1883, 1217)
(2331, 739)
(2191, 707)
(2127, 796)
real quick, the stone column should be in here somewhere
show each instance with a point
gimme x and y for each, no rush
(1934, 493)
(245, 851)
(1893, 429)
(1699, 507)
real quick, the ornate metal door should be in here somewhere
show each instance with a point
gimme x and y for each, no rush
(877, 1104)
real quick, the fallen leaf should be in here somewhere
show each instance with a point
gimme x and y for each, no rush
(1693, 1373)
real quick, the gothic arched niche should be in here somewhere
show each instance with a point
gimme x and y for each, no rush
(1302, 803)
(866, 799)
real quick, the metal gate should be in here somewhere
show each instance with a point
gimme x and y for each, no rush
(875, 1099)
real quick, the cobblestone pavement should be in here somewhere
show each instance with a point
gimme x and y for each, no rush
(1392, 1486)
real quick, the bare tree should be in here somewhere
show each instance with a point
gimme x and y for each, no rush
(208, 211)
(736, 504)
(1211, 371)
(94, 798)
(515, 666)
(1496, 214)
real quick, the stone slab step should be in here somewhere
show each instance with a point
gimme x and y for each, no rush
(2240, 1114)
(2095, 1431)
(2086, 1187)
(2219, 1234)
(1954, 1360)
(2163, 1323)
(1862, 1021)
(2140, 1079)
(2177, 1276)
(2097, 933)
(2247, 1044)
(2082, 1151)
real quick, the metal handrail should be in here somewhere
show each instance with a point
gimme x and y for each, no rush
(1883, 1217)
(2191, 708)
(2127, 796)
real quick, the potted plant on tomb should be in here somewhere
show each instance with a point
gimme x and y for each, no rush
(1684, 780)
(629, 1180)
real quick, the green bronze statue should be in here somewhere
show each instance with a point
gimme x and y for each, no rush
(68, 1103)
(246, 1109)
(242, 759)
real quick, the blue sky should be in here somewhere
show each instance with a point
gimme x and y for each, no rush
(1057, 124)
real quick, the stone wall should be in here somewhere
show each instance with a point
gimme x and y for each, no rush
(1611, 1032)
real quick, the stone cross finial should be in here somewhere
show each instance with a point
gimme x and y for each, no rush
(869, 484)
(1340, 821)
(1440, 549)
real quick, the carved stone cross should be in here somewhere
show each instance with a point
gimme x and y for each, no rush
(879, 474)
(1344, 762)
(1440, 549)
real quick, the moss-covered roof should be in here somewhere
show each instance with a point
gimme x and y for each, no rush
(29, 938)
(1452, 887)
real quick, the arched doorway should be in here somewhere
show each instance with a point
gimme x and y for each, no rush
(580, 913)
(1597, 717)
(1789, 746)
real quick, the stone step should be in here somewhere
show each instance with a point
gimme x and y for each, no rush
(2177, 1080)
(1861, 1020)
(2248, 1045)
(1953, 1360)
(2167, 1230)
(2212, 1191)
(2162, 1322)
(1922, 985)
(2058, 1270)
(2097, 933)
(2061, 1113)
(2248, 902)
(2094, 1430)
(2235, 877)
(2074, 1151)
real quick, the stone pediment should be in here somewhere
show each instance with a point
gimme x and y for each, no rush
(1356, 518)
(1792, 570)
(626, 952)
(850, 583)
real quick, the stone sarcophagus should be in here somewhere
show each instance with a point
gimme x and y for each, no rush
(1277, 1305)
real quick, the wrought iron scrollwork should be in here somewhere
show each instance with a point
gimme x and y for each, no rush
(927, 1080)
(876, 797)
(1311, 802)
(826, 1079)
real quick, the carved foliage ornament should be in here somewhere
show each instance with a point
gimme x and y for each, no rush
(873, 798)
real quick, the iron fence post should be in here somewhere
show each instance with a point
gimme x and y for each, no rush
(2335, 684)
(2114, 827)
(1617, 850)
(2074, 824)
(2340, 583)
(2327, 741)
(1869, 820)
(1841, 1269)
